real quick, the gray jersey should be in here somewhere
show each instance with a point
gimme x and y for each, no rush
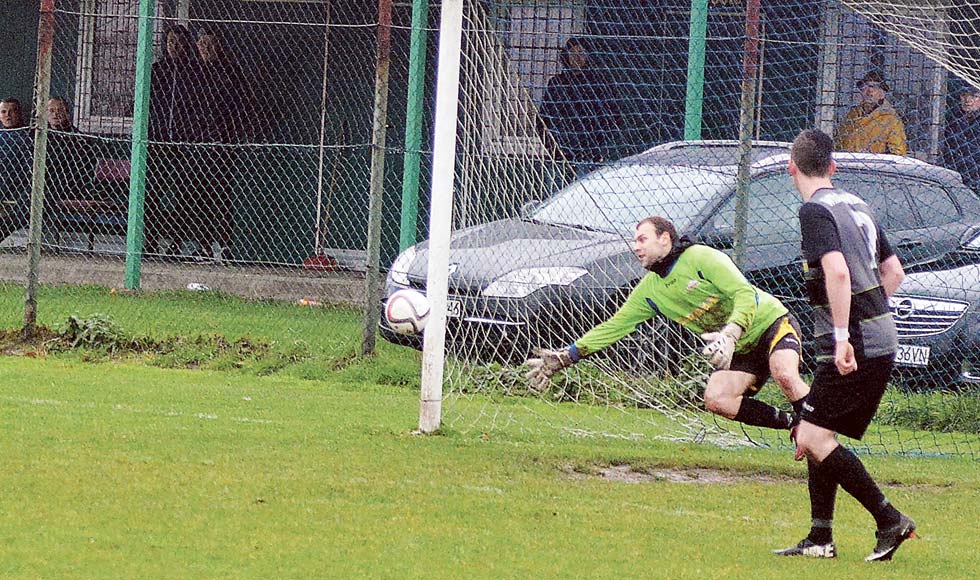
(834, 220)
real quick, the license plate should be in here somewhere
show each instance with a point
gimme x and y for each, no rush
(911, 355)
(454, 309)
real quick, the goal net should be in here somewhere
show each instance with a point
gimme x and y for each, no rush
(579, 119)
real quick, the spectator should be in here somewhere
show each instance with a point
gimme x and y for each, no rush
(229, 104)
(173, 168)
(227, 116)
(11, 114)
(961, 139)
(873, 125)
(16, 154)
(70, 157)
(175, 90)
(576, 110)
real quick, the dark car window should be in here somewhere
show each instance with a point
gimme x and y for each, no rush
(934, 203)
(773, 215)
(615, 198)
(887, 195)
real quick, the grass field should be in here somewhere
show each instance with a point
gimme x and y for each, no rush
(134, 468)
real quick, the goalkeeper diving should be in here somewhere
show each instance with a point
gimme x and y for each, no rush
(749, 335)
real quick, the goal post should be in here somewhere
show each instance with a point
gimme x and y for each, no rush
(440, 218)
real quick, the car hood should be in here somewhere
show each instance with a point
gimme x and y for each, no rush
(957, 284)
(481, 254)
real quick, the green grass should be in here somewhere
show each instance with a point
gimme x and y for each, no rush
(125, 471)
(248, 441)
(216, 332)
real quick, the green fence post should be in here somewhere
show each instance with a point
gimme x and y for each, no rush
(137, 176)
(695, 69)
(413, 125)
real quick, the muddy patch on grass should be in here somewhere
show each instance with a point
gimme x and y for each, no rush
(13, 343)
(702, 475)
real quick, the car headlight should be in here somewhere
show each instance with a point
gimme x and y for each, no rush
(399, 268)
(520, 283)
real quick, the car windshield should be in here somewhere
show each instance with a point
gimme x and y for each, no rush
(615, 198)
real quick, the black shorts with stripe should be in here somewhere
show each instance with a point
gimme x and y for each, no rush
(847, 403)
(784, 333)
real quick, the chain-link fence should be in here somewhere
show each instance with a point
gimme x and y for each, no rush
(233, 151)
(577, 119)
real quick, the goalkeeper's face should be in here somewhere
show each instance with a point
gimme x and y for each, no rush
(650, 247)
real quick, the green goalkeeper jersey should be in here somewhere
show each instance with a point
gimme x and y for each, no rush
(703, 291)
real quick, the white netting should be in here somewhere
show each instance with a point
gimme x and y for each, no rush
(509, 257)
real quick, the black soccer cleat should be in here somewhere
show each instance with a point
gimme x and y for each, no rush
(889, 539)
(807, 547)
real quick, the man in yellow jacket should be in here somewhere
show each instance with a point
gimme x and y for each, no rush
(873, 126)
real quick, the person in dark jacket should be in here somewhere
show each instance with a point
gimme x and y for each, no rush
(576, 110)
(227, 118)
(70, 158)
(175, 127)
(961, 139)
(16, 154)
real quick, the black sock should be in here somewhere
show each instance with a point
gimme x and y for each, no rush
(797, 410)
(752, 412)
(855, 479)
(798, 404)
(823, 494)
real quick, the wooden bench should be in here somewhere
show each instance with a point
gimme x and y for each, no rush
(103, 210)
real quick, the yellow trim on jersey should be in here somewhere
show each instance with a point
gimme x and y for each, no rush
(785, 328)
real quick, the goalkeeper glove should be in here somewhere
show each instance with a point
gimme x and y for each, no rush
(721, 345)
(545, 365)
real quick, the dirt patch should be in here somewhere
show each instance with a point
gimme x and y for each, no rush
(627, 474)
(12, 342)
(704, 475)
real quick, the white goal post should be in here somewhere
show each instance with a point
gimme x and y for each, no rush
(441, 214)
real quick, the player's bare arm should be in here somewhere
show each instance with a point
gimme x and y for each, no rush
(838, 280)
(892, 274)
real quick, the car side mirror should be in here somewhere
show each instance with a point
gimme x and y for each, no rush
(720, 239)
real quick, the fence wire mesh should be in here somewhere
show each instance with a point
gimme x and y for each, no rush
(577, 119)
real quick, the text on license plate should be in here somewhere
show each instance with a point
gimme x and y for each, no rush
(454, 309)
(912, 355)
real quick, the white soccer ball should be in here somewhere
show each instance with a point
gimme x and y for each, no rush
(407, 311)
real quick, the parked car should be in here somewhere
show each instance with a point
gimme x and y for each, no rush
(937, 314)
(545, 277)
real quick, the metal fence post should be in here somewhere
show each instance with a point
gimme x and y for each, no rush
(747, 114)
(413, 125)
(45, 41)
(137, 175)
(372, 294)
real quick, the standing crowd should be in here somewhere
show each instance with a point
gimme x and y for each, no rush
(201, 105)
(198, 95)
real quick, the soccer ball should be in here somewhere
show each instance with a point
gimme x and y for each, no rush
(407, 311)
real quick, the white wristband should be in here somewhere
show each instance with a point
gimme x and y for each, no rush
(841, 334)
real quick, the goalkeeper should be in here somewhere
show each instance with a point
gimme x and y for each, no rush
(749, 334)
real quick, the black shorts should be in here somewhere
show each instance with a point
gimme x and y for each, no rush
(847, 403)
(784, 333)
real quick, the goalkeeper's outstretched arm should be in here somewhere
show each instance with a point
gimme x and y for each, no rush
(546, 363)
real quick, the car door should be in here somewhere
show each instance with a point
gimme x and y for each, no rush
(920, 218)
(944, 219)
